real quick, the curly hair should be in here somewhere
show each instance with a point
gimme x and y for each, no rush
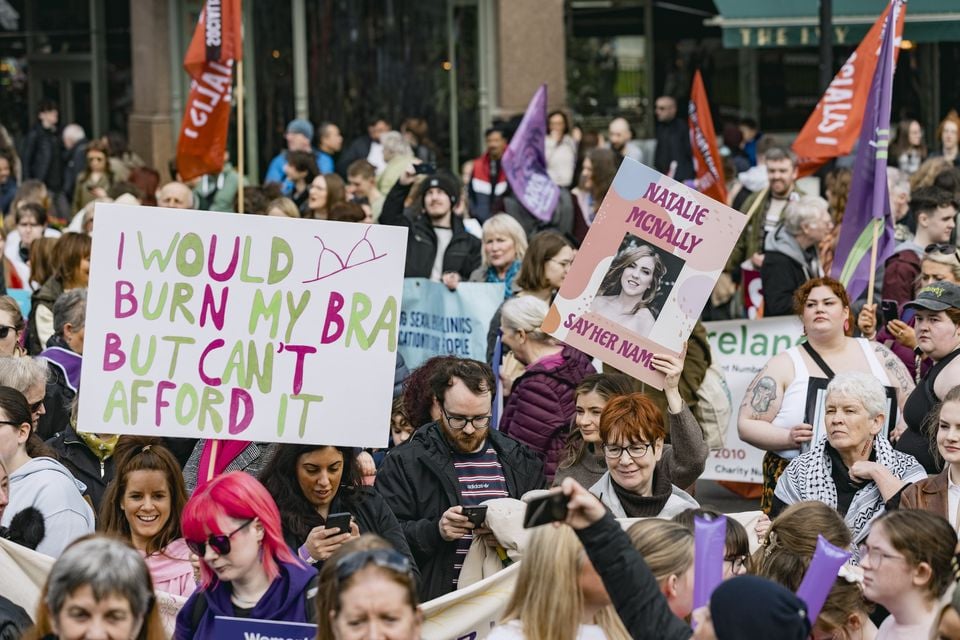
(297, 515)
(611, 284)
(418, 397)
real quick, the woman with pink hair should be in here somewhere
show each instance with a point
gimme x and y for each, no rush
(246, 569)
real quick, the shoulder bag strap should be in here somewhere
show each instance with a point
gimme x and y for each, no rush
(819, 360)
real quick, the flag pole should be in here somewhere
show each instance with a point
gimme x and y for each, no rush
(240, 149)
(873, 259)
(212, 463)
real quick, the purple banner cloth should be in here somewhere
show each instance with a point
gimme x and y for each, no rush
(869, 200)
(820, 577)
(710, 539)
(525, 161)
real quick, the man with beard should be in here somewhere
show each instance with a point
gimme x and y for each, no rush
(765, 209)
(455, 462)
(438, 245)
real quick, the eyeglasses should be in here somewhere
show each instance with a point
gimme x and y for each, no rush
(876, 556)
(737, 563)
(383, 558)
(5, 331)
(460, 422)
(11, 423)
(36, 406)
(614, 451)
(220, 544)
(944, 248)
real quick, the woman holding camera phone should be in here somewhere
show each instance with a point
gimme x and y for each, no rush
(325, 487)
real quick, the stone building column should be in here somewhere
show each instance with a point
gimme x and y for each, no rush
(151, 126)
(531, 50)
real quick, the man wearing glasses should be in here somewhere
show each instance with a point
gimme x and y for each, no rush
(936, 212)
(456, 462)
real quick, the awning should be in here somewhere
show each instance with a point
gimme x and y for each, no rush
(751, 23)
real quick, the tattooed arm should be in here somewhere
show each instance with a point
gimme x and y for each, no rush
(899, 379)
(760, 406)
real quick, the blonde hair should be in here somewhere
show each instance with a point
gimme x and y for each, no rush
(286, 205)
(507, 225)
(666, 547)
(946, 259)
(547, 599)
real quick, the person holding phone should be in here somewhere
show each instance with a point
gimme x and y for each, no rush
(323, 502)
(455, 462)
(897, 329)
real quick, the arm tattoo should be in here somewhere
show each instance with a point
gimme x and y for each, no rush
(764, 392)
(894, 366)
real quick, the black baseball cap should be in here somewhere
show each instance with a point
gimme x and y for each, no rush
(936, 296)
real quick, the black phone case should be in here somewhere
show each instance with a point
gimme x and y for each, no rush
(552, 508)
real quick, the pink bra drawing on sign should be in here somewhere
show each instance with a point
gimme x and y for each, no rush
(330, 263)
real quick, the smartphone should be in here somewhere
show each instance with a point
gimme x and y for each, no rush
(339, 521)
(545, 509)
(889, 310)
(425, 168)
(476, 514)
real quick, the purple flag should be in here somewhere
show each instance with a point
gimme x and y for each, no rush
(869, 200)
(525, 161)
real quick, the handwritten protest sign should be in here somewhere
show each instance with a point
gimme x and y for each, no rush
(644, 271)
(741, 348)
(209, 325)
(435, 321)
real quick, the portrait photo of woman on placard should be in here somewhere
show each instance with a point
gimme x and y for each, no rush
(633, 291)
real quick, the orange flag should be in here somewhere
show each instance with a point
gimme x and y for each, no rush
(217, 43)
(703, 142)
(834, 126)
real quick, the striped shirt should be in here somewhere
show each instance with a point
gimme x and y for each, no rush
(480, 478)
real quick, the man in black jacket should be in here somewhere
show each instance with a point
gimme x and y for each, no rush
(447, 465)
(438, 245)
(672, 156)
(42, 156)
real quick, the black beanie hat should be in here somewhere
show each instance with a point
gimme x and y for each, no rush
(443, 181)
(748, 607)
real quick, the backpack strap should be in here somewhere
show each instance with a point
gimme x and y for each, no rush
(199, 610)
(310, 599)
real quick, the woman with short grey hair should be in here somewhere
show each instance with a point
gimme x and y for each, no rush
(99, 587)
(853, 468)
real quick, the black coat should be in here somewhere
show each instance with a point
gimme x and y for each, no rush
(632, 586)
(462, 254)
(673, 145)
(371, 514)
(41, 157)
(418, 483)
(14, 621)
(74, 454)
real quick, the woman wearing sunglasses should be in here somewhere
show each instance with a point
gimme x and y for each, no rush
(246, 569)
(635, 485)
(326, 480)
(374, 595)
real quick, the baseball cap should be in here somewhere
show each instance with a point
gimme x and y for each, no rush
(936, 296)
(301, 126)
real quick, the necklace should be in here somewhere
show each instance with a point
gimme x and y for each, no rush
(242, 603)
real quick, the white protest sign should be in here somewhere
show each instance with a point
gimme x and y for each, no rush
(227, 326)
(435, 321)
(741, 348)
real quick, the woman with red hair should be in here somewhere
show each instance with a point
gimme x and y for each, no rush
(635, 484)
(246, 569)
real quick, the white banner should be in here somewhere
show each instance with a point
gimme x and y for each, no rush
(435, 321)
(741, 348)
(227, 326)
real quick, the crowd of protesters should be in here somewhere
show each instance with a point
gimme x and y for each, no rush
(355, 540)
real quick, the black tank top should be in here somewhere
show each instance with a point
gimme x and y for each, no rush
(916, 439)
